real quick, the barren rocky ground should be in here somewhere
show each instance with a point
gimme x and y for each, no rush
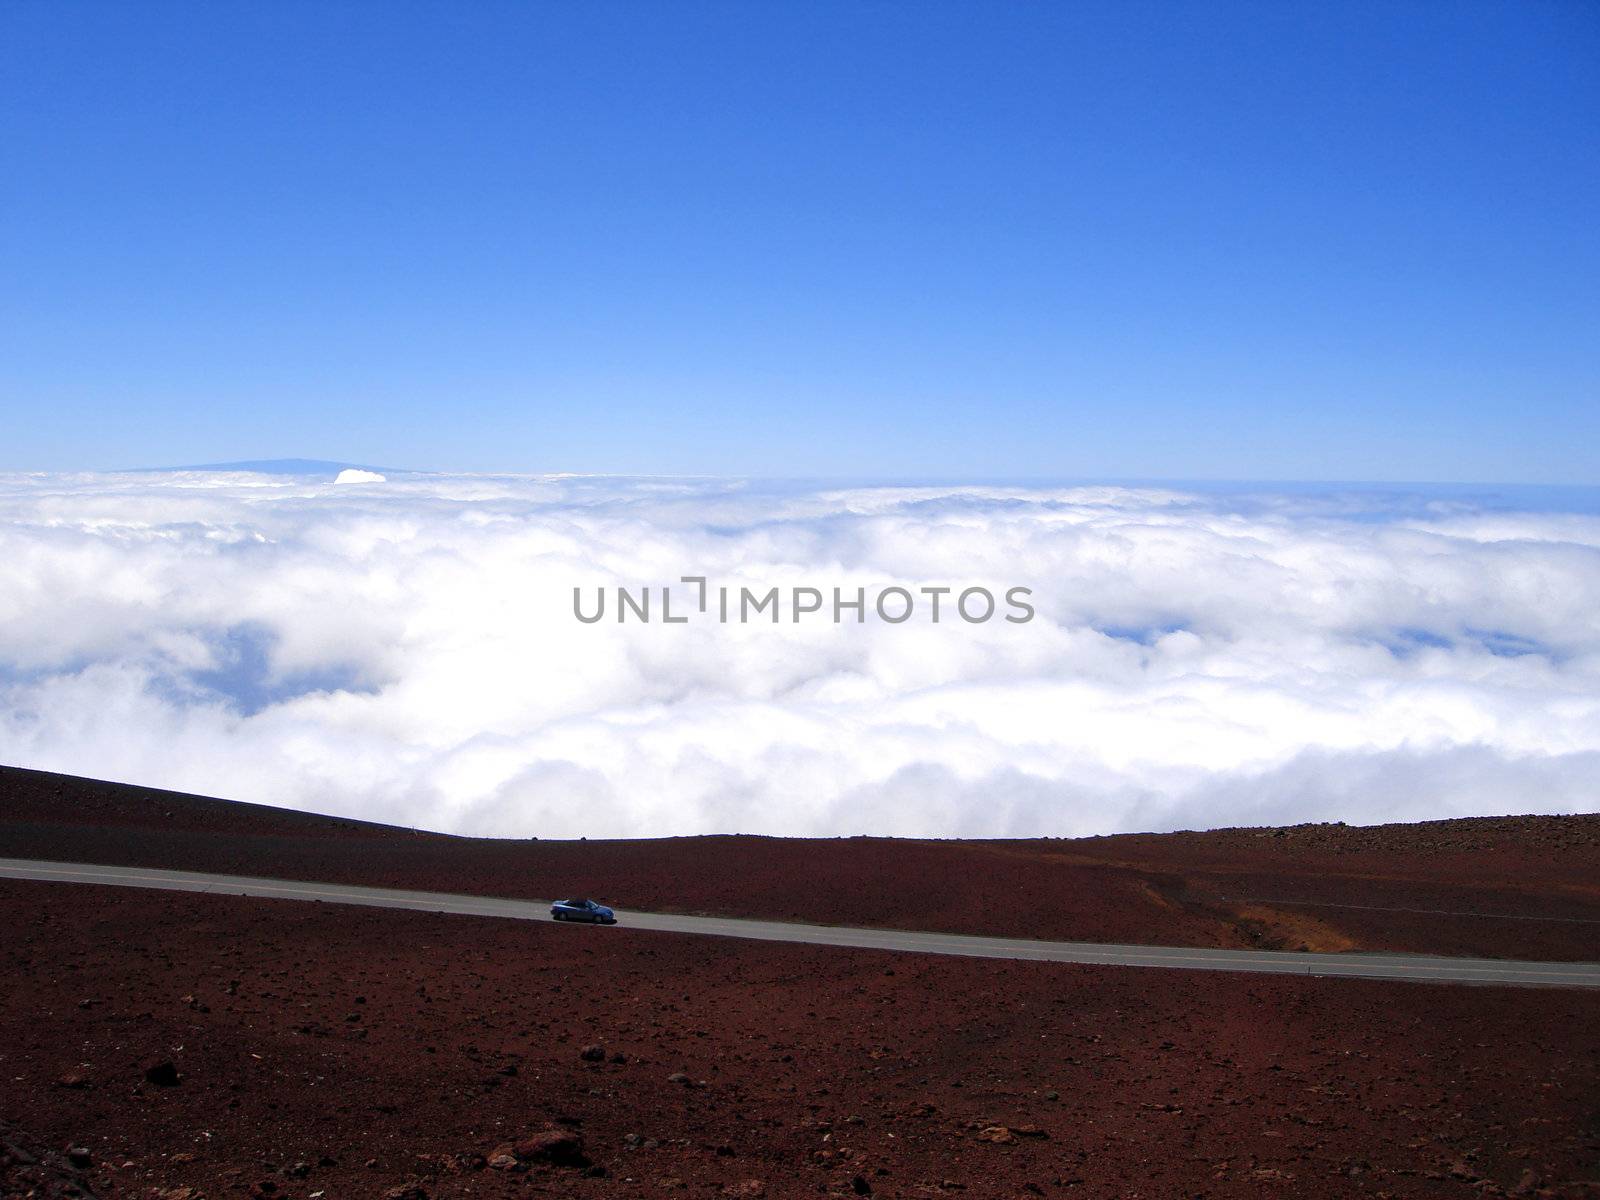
(170, 1046)
(177, 1045)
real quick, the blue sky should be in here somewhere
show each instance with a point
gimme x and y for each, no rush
(1242, 241)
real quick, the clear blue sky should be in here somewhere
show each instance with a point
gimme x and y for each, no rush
(1207, 240)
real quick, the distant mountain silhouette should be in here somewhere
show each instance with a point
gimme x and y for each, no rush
(285, 466)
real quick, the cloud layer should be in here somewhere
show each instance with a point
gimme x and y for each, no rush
(405, 650)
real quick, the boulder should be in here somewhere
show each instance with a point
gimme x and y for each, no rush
(558, 1147)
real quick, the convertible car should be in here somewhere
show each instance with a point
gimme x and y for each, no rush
(583, 910)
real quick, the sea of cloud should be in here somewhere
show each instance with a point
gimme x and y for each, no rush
(405, 650)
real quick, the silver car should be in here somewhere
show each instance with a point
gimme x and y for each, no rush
(583, 910)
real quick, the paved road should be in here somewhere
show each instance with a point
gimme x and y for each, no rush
(1370, 966)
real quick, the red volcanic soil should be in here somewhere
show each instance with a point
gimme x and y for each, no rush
(1518, 887)
(171, 1046)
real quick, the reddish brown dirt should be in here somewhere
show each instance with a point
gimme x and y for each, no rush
(325, 1051)
(1519, 887)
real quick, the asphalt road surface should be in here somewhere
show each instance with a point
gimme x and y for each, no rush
(1270, 962)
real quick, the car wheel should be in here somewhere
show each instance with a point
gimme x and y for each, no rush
(559, 916)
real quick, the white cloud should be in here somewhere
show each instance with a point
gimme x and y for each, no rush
(409, 654)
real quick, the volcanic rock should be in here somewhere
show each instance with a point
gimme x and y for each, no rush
(557, 1148)
(162, 1072)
